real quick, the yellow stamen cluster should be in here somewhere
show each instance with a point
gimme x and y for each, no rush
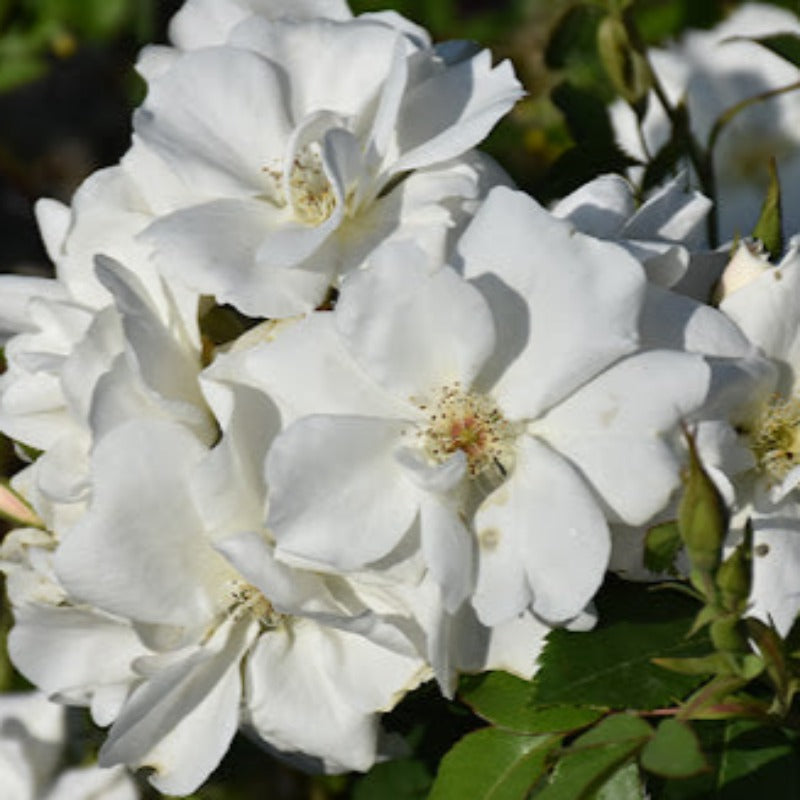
(246, 599)
(311, 193)
(775, 437)
(472, 423)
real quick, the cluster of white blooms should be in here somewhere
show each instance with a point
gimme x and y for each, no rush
(711, 73)
(318, 408)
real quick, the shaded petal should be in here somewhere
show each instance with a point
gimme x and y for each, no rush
(448, 547)
(217, 140)
(543, 541)
(565, 305)
(766, 309)
(329, 382)
(71, 653)
(338, 497)
(140, 550)
(213, 249)
(453, 110)
(338, 66)
(616, 429)
(181, 720)
(393, 321)
(775, 593)
(600, 207)
(317, 691)
(228, 485)
(91, 783)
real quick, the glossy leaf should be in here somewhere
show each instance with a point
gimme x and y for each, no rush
(491, 764)
(624, 784)
(612, 665)
(595, 756)
(747, 761)
(404, 779)
(506, 701)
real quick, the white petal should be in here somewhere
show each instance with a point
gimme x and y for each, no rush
(213, 248)
(338, 497)
(180, 722)
(453, 110)
(671, 320)
(599, 208)
(70, 653)
(616, 429)
(93, 783)
(228, 485)
(543, 541)
(565, 305)
(15, 293)
(775, 593)
(140, 550)
(413, 330)
(317, 691)
(201, 23)
(216, 119)
(767, 310)
(336, 66)
(448, 547)
(328, 382)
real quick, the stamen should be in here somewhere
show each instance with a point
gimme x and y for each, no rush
(775, 437)
(473, 424)
(246, 599)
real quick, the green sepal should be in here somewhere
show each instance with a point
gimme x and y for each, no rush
(705, 616)
(769, 228)
(624, 65)
(773, 651)
(662, 543)
(734, 577)
(702, 519)
(728, 634)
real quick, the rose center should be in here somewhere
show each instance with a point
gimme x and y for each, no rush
(471, 423)
(775, 437)
(246, 599)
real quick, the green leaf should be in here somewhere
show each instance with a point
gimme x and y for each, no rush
(404, 779)
(491, 764)
(506, 700)
(661, 547)
(769, 229)
(674, 751)
(624, 784)
(595, 756)
(611, 666)
(748, 761)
